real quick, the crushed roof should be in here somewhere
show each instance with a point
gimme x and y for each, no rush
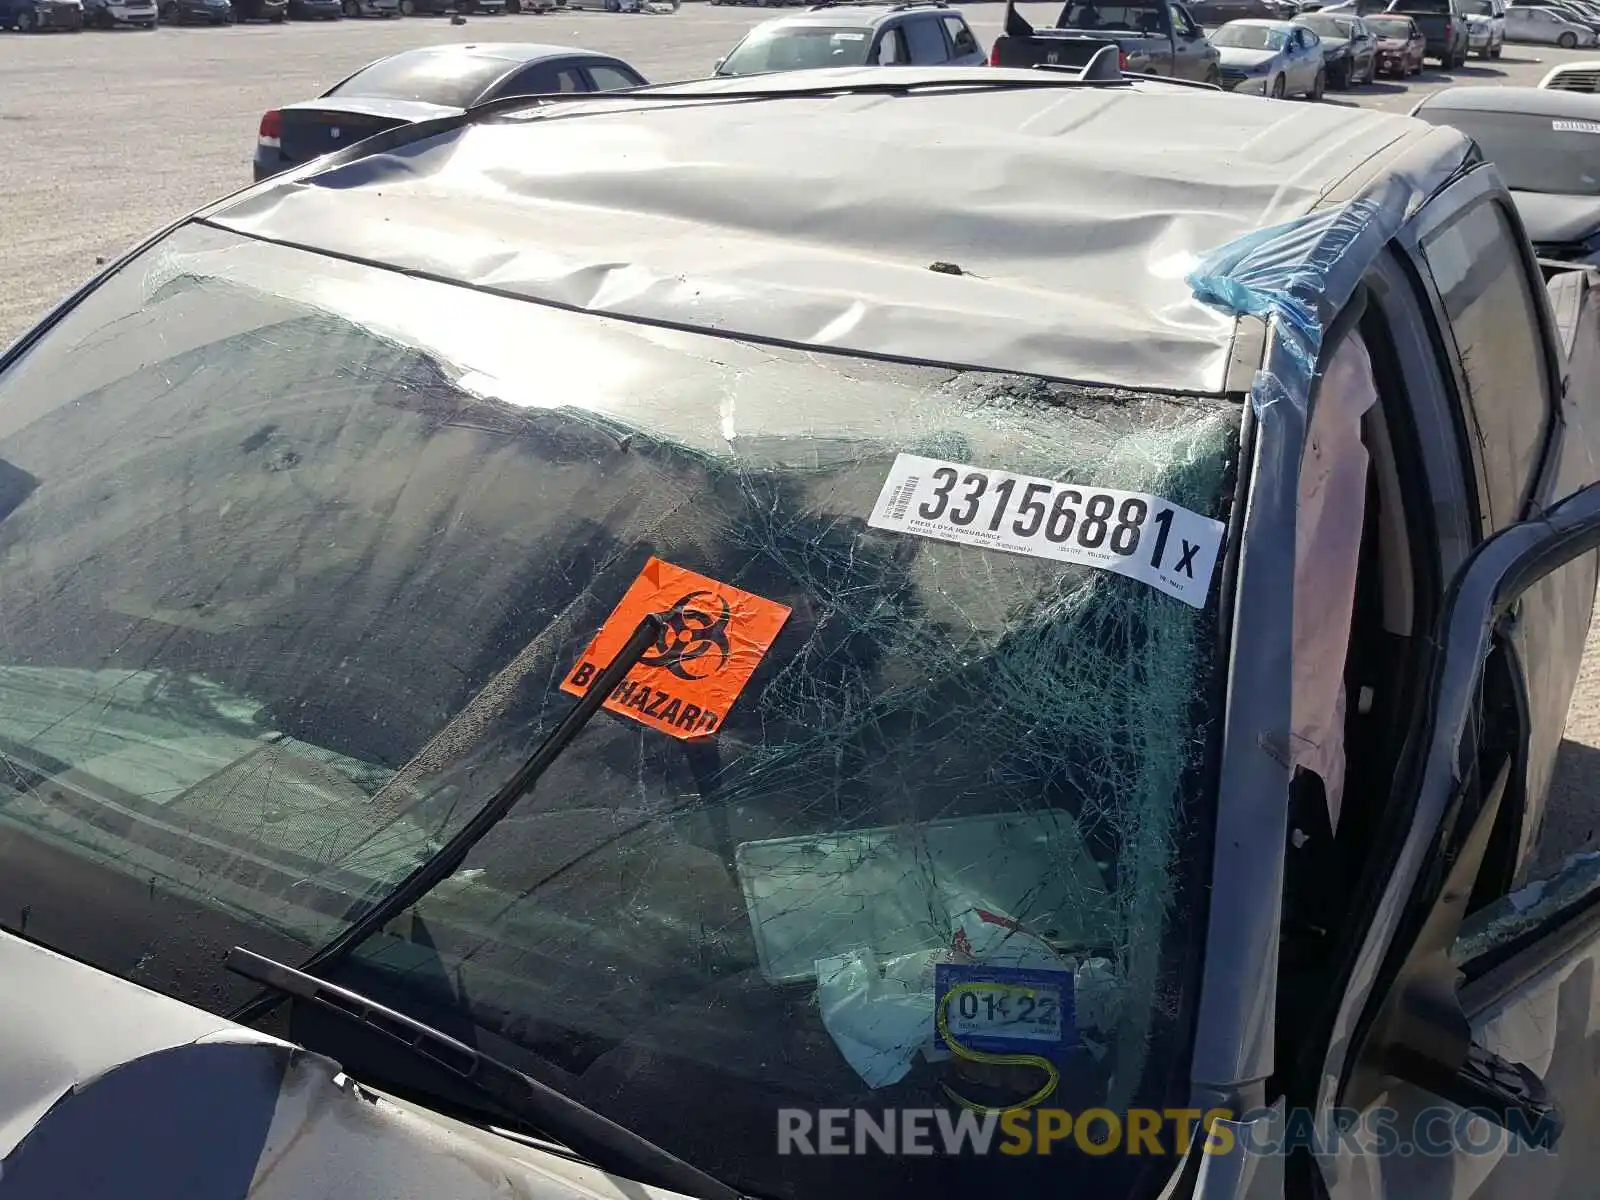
(1071, 213)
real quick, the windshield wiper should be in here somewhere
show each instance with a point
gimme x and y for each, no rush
(601, 1141)
(444, 862)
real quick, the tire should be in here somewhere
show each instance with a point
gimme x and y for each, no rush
(1568, 40)
(1213, 76)
(1319, 88)
(1497, 51)
(1279, 88)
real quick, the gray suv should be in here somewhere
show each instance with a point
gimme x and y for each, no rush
(919, 33)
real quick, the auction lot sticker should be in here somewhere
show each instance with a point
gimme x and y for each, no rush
(1134, 534)
(715, 637)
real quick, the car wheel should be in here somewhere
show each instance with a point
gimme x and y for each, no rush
(1278, 88)
(1568, 41)
(1213, 76)
(1497, 51)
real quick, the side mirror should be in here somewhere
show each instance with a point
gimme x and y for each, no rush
(717, 66)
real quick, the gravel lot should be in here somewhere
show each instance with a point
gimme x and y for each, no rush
(105, 136)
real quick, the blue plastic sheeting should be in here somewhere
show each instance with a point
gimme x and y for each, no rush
(1298, 274)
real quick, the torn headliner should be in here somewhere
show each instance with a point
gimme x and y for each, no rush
(1075, 215)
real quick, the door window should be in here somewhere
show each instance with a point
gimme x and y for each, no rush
(892, 49)
(927, 42)
(1182, 26)
(544, 80)
(960, 36)
(609, 79)
(1494, 316)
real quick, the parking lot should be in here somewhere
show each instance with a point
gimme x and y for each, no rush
(105, 136)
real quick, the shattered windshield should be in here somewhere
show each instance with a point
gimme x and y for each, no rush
(299, 560)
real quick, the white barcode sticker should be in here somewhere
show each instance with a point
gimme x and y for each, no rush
(1141, 536)
(1575, 126)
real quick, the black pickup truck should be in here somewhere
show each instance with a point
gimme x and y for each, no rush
(1152, 37)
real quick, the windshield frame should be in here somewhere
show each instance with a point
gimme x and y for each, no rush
(1191, 885)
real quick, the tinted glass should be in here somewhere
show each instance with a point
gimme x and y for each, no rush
(608, 79)
(452, 79)
(1134, 18)
(1422, 6)
(1390, 27)
(295, 555)
(960, 36)
(926, 42)
(1249, 37)
(1532, 153)
(798, 47)
(1491, 306)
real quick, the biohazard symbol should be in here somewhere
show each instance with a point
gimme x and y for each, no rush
(694, 629)
(714, 638)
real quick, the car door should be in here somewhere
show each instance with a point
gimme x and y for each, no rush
(964, 48)
(1363, 47)
(1191, 53)
(1473, 824)
(1543, 26)
(1307, 50)
(925, 40)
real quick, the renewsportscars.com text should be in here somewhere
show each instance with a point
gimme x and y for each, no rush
(1435, 1132)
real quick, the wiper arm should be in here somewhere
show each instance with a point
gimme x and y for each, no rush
(607, 1145)
(436, 869)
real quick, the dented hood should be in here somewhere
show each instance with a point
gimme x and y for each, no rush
(110, 1090)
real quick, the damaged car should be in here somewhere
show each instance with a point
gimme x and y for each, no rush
(525, 673)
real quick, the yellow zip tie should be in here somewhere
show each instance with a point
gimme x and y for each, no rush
(942, 1021)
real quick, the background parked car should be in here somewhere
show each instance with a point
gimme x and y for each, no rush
(275, 11)
(31, 16)
(1272, 58)
(1545, 26)
(1574, 77)
(315, 10)
(371, 8)
(1444, 27)
(409, 8)
(106, 14)
(853, 35)
(1542, 142)
(1486, 27)
(1401, 46)
(196, 12)
(1349, 49)
(431, 81)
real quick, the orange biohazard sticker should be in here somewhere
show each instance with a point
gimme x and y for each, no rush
(714, 638)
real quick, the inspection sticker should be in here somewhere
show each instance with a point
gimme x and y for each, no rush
(1575, 126)
(1003, 1010)
(1144, 537)
(713, 638)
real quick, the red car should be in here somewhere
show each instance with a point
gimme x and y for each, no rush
(1400, 44)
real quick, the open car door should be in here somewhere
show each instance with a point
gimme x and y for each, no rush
(1472, 1037)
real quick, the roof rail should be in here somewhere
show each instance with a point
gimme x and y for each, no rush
(892, 7)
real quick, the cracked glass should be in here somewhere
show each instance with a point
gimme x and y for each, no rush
(296, 553)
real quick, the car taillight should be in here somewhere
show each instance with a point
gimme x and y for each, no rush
(994, 55)
(271, 132)
(1122, 59)
(1449, 29)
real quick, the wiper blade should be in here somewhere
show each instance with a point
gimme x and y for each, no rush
(436, 869)
(607, 1145)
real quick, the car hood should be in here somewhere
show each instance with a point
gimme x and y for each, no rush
(176, 1102)
(374, 106)
(1235, 56)
(1556, 218)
